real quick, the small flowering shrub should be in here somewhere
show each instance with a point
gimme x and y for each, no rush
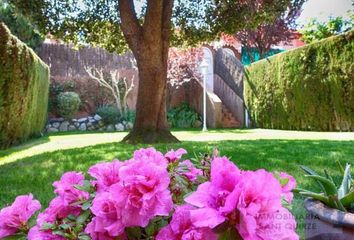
(156, 196)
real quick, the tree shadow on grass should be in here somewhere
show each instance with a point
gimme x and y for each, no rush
(31, 143)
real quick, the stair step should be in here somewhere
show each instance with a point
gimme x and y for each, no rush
(228, 119)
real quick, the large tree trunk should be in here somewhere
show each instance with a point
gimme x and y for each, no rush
(150, 44)
(151, 118)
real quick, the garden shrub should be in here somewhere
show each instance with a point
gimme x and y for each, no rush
(68, 104)
(129, 116)
(109, 114)
(309, 88)
(24, 83)
(182, 116)
(56, 88)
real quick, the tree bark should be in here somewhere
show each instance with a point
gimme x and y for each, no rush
(149, 44)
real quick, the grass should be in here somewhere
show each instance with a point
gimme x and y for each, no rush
(82, 139)
(38, 170)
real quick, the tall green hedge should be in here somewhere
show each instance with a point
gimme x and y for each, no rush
(24, 86)
(308, 88)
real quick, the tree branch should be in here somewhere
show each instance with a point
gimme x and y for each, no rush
(130, 24)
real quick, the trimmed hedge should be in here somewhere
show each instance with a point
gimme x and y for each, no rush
(308, 88)
(24, 86)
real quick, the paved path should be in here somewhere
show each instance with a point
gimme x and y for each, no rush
(57, 142)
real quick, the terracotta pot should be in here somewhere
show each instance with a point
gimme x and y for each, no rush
(324, 223)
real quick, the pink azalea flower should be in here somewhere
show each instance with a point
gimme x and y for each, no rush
(182, 228)
(144, 192)
(260, 193)
(106, 174)
(95, 231)
(173, 156)
(57, 210)
(287, 189)
(193, 172)
(65, 188)
(149, 155)
(240, 198)
(16, 216)
(276, 225)
(36, 234)
(217, 198)
(108, 215)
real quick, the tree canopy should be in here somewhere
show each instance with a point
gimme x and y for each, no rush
(316, 30)
(266, 34)
(19, 25)
(98, 22)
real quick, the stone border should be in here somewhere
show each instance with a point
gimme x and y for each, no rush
(90, 123)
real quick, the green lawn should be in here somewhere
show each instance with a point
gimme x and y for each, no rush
(31, 168)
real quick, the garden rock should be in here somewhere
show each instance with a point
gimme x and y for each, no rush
(56, 120)
(72, 128)
(97, 117)
(129, 126)
(81, 120)
(52, 130)
(119, 127)
(83, 127)
(64, 126)
(110, 128)
(56, 124)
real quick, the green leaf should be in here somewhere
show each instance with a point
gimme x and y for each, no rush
(329, 187)
(311, 172)
(348, 200)
(15, 237)
(47, 226)
(133, 233)
(64, 226)
(86, 187)
(59, 232)
(230, 233)
(345, 186)
(83, 217)
(308, 170)
(83, 236)
(86, 205)
(317, 196)
(340, 167)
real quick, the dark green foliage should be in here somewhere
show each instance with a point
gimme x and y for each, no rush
(68, 104)
(182, 116)
(309, 88)
(20, 26)
(315, 30)
(24, 81)
(109, 114)
(54, 90)
(129, 116)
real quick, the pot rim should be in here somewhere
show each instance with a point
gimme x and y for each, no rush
(330, 215)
